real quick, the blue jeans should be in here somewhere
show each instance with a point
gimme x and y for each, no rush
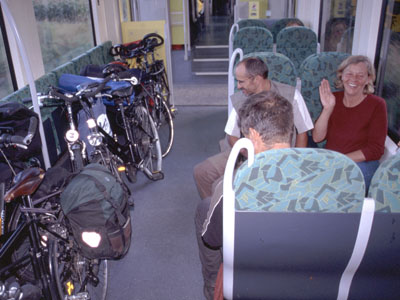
(368, 169)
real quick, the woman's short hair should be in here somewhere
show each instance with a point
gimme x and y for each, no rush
(255, 66)
(355, 59)
(270, 114)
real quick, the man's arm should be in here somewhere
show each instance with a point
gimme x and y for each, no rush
(302, 120)
(232, 139)
(302, 140)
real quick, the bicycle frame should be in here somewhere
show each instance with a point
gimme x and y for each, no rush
(36, 255)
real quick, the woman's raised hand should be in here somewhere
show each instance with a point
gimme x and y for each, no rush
(328, 100)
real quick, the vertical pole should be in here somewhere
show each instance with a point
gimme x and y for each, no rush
(31, 81)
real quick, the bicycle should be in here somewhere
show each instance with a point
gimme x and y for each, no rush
(38, 243)
(136, 141)
(154, 83)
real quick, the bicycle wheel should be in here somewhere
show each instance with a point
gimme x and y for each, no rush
(75, 276)
(165, 127)
(146, 138)
(109, 160)
(78, 161)
(22, 248)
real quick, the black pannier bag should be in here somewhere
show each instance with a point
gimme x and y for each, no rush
(96, 207)
(14, 120)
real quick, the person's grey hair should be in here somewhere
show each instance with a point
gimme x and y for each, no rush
(355, 59)
(270, 114)
(254, 66)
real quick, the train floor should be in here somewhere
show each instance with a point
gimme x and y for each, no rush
(163, 261)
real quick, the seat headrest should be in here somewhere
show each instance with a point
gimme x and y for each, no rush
(300, 180)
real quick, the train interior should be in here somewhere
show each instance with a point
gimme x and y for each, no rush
(163, 259)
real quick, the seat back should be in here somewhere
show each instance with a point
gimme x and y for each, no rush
(251, 22)
(385, 184)
(297, 43)
(280, 68)
(313, 69)
(253, 39)
(280, 24)
(303, 230)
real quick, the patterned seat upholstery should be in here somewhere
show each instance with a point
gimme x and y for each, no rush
(280, 24)
(251, 22)
(297, 43)
(297, 230)
(300, 180)
(312, 71)
(385, 185)
(280, 68)
(253, 39)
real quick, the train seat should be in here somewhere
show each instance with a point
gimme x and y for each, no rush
(297, 225)
(280, 68)
(313, 69)
(280, 24)
(253, 39)
(297, 43)
(251, 22)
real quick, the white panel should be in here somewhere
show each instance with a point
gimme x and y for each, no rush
(368, 15)
(152, 10)
(308, 12)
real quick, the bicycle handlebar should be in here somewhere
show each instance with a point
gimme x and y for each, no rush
(91, 93)
(21, 141)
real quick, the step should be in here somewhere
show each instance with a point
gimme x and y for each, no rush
(214, 51)
(210, 66)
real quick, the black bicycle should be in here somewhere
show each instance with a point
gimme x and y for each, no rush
(37, 246)
(135, 140)
(154, 81)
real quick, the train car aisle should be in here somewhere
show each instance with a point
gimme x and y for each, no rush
(163, 262)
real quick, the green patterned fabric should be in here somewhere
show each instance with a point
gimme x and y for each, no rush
(385, 185)
(280, 24)
(280, 68)
(67, 68)
(297, 43)
(253, 39)
(96, 55)
(300, 180)
(251, 22)
(81, 62)
(312, 71)
(107, 57)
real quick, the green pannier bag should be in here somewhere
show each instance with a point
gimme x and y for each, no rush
(96, 207)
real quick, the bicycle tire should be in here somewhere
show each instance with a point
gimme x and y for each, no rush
(22, 248)
(78, 162)
(110, 161)
(165, 126)
(69, 270)
(146, 138)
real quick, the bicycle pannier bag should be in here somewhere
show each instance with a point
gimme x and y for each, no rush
(96, 207)
(15, 120)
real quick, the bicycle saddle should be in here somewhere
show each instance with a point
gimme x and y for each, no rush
(25, 183)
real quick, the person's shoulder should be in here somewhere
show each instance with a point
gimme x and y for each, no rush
(376, 100)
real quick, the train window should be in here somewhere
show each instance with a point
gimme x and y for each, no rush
(6, 86)
(338, 25)
(388, 74)
(65, 30)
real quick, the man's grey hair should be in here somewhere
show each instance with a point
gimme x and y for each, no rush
(270, 114)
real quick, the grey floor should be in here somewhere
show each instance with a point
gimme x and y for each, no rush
(163, 262)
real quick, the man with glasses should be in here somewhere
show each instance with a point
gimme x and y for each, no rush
(252, 77)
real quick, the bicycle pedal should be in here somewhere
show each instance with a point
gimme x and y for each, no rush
(157, 176)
